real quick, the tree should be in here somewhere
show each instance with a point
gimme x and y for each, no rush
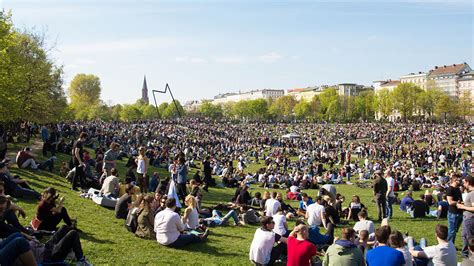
(130, 112)
(171, 112)
(302, 109)
(445, 106)
(405, 98)
(330, 104)
(384, 103)
(428, 99)
(210, 110)
(465, 105)
(84, 90)
(282, 107)
(364, 106)
(162, 107)
(31, 84)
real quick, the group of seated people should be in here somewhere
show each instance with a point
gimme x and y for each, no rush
(21, 245)
(353, 248)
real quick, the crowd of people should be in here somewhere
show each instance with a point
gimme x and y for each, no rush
(391, 158)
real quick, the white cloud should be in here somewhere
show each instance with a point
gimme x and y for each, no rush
(270, 57)
(117, 45)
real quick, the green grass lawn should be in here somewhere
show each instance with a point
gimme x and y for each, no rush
(107, 242)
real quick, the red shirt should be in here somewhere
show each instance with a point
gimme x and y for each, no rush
(300, 252)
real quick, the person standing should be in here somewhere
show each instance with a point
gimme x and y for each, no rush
(207, 174)
(300, 250)
(77, 159)
(390, 195)
(468, 215)
(454, 196)
(142, 165)
(380, 192)
(45, 139)
(109, 157)
(182, 178)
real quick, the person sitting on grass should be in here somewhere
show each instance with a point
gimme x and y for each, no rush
(354, 208)
(407, 202)
(442, 210)
(63, 242)
(315, 235)
(304, 203)
(191, 214)
(397, 242)
(49, 213)
(124, 202)
(15, 250)
(364, 224)
(145, 219)
(25, 159)
(170, 230)
(344, 251)
(16, 187)
(383, 254)
(217, 219)
(110, 187)
(419, 208)
(300, 250)
(443, 254)
(8, 212)
(262, 250)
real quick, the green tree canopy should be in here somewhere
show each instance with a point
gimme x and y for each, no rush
(405, 97)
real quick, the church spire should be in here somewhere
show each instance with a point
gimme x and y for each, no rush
(145, 91)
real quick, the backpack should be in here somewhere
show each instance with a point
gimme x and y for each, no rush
(131, 223)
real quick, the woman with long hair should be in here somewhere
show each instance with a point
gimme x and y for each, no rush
(191, 214)
(51, 211)
(145, 218)
(142, 165)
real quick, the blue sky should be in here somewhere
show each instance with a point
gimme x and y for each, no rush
(202, 48)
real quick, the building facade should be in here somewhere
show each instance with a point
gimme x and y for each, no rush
(245, 96)
(418, 79)
(306, 94)
(447, 77)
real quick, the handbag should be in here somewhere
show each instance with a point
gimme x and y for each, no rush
(35, 223)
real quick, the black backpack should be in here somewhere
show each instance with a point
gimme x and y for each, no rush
(131, 223)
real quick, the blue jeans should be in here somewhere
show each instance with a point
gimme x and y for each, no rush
(217, 220)
(467, 233)
(411, 245)
(12, 247)
(454, 222)
(390, 201)
(185, 239)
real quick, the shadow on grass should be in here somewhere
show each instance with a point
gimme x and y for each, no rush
(225, 235)
(209, 250)
(91, 238)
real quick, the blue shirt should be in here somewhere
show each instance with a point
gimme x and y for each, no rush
(316, 237)
(405, 203)
(303, 205)
(385, 256)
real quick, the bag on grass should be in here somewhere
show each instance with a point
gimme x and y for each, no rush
(131, 223)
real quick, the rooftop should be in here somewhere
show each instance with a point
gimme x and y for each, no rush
(448, 69)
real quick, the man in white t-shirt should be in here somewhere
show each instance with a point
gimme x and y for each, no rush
(281, 227)
(170, 229)
(390, 192)
(316, 214)
(110, 187)
(262, 250)
(443, 254)
(272, 205)
(364, 224)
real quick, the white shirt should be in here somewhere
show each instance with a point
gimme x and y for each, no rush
(280, 221)
(271, 207)
(391, 186)
(293, 189)
(261, 247)
(442, 158)
(314, 213)
(140, 165)
(365, 225)
(168, 226)
(443, 254)
(110, 184)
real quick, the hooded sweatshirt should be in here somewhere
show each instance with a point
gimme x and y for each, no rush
(343, 252)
